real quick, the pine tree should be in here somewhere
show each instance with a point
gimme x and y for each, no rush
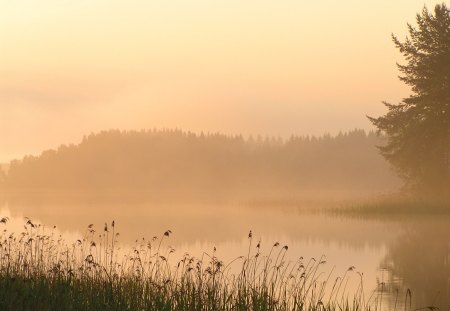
(418, 128)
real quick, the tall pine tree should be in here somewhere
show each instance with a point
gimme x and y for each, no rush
(418, 128)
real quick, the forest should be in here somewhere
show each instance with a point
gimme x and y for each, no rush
(176, 162)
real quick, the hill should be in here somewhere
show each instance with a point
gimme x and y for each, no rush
(174, 162)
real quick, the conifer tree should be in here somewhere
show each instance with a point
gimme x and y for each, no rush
(418, 128)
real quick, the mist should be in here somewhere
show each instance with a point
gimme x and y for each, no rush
(224, 155)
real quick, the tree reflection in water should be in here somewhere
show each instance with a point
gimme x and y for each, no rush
(419, 260)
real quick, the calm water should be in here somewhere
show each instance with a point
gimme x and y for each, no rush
(406, 252)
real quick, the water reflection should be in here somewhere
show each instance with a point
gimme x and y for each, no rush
(410, 252)
(200, 222)
(419, 260)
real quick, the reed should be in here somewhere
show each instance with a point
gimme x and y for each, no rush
(40, 271)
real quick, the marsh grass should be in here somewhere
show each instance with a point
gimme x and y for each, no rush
(392, 207)
(40, 271)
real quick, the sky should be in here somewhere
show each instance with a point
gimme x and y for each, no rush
(277, 68)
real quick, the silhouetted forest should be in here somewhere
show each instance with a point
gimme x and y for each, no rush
(175, 162)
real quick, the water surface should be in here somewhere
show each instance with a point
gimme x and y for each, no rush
(407, 252)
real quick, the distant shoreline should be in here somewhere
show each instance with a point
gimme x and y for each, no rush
(4, 167)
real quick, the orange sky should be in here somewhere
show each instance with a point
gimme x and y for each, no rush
(68, 68)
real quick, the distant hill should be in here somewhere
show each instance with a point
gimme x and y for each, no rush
(4, 167)
(3, 170)
(174, 162)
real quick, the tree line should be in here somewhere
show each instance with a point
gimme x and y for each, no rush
(178, 162)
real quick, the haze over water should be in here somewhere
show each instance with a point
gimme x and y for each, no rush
(405, 252)
(212, 119)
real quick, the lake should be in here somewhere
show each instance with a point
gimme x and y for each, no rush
(393, 254)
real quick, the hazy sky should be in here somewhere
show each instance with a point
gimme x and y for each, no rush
(275, 67)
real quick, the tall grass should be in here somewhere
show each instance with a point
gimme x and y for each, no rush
(393, 207)
(40, 271)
